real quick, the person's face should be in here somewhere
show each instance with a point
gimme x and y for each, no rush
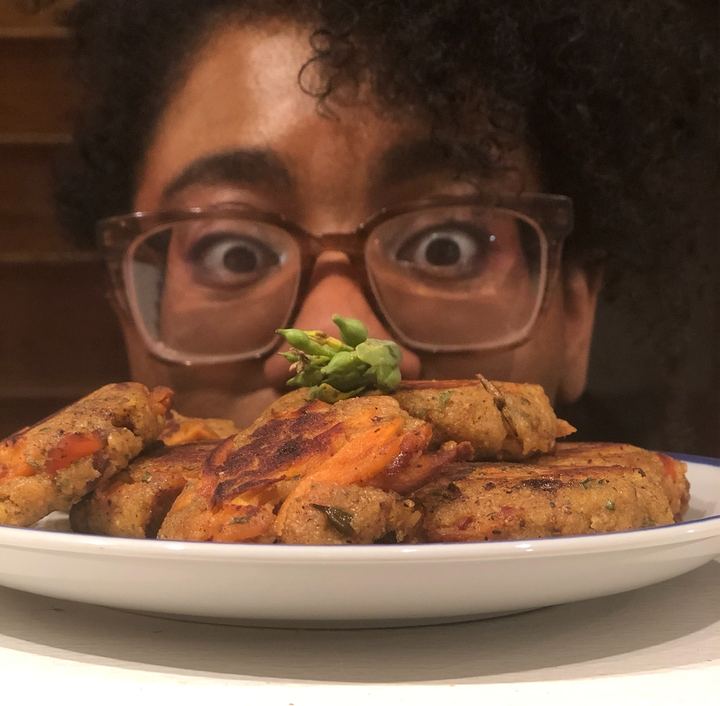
(242, 106)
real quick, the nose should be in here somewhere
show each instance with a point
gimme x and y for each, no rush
(333, 290)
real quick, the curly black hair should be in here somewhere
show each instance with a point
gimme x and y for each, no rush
(617, 99)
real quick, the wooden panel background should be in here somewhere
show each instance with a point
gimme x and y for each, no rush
(32, 17)
(58, 336)
(27, 220)
(36, 95)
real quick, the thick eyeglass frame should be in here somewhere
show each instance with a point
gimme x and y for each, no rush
(550, 215)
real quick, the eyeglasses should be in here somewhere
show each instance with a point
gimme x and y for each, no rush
(446, 274)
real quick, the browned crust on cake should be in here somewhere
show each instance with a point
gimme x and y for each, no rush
(487, 502)
(502, 421)
(135, 501)
(54, 463)
(667, 472)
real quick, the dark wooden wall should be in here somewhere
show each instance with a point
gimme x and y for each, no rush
(58, 337)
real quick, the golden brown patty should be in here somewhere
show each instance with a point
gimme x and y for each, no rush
(667, 472)
(135, 501)
(486, 502)
(501, 420)
(331, 514)
(52, 464)
(240, 495)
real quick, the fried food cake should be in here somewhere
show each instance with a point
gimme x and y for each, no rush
(667, 472)
(252, 488)
(501, 420)
(135, 501)
(54, 463)
(352, 514)
(485, 502)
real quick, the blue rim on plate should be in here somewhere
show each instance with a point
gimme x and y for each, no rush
(695, 459)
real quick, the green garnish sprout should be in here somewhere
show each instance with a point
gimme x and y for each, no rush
(336, 369)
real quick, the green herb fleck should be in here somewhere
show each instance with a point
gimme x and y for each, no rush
(44, 429)
(147, 477)
(587, 482)
(444, 397)
(336, 369)
(337, 518)
(609, 505)
(601, 482)
(33, 463)
(421, 413)
(240, 520)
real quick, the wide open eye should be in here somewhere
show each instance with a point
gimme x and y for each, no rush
(229, 259)
(451, 249)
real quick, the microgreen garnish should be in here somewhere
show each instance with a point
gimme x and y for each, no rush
(336, 369)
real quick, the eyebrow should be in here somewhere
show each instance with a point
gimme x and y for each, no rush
(254, 167)
(411, 160)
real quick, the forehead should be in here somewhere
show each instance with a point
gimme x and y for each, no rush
(242, 95)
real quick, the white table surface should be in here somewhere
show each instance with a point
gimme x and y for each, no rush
(657, 645)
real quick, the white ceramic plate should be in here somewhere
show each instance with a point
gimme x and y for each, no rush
(358, 585)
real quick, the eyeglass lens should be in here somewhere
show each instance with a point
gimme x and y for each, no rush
(458, 277)
(447, 277)
(213, 286)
